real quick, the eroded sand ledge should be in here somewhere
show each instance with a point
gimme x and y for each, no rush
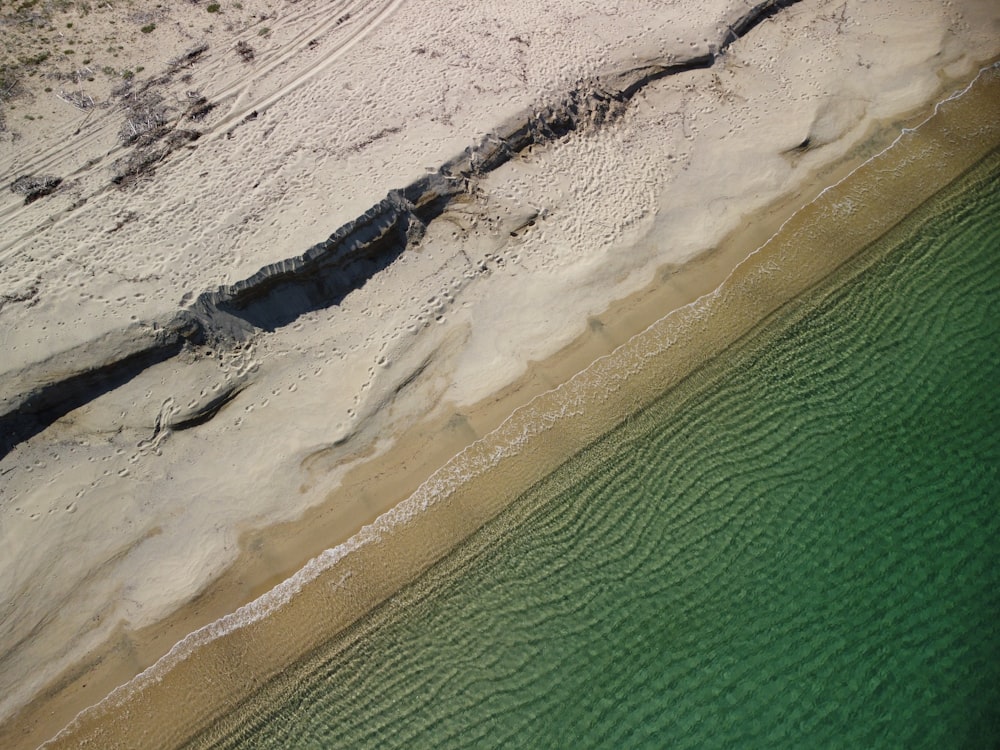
(281, 292)
(585, 219)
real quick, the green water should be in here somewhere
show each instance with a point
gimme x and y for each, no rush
(798, 547)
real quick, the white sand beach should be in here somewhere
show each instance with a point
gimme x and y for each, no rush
(157, 472)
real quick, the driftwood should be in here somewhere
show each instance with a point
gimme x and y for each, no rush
(78, 99)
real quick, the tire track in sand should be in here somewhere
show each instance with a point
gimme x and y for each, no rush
(353, 20)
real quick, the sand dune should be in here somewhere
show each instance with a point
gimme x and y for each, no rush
(260, 267)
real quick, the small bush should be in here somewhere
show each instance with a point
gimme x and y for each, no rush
(10, 83)
(245, 51)
(213, 8)
(148, 28)
(35, 59)
(33, 187)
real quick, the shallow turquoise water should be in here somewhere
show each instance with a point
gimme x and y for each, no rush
(798, 547)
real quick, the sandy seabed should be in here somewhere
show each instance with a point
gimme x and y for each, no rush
(209, 474)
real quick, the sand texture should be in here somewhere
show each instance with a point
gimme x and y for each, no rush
(262, 270)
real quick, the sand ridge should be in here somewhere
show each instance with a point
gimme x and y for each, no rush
(152, 512)
(280, 292)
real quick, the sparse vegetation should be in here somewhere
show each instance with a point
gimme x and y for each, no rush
(10, 83)
(199, 107)
(33, 187)
(155, 147)
(245, 51)
(44, 42)
(146, 112)
(78, 99)
(36, 59)
(131, 168)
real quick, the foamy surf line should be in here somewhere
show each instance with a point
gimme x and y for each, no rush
(569, 416)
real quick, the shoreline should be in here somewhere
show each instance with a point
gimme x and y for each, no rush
(476, 506)
(519, 611)
(166, 507)
(275, 557)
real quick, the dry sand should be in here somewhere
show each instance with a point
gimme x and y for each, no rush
(120, 513)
